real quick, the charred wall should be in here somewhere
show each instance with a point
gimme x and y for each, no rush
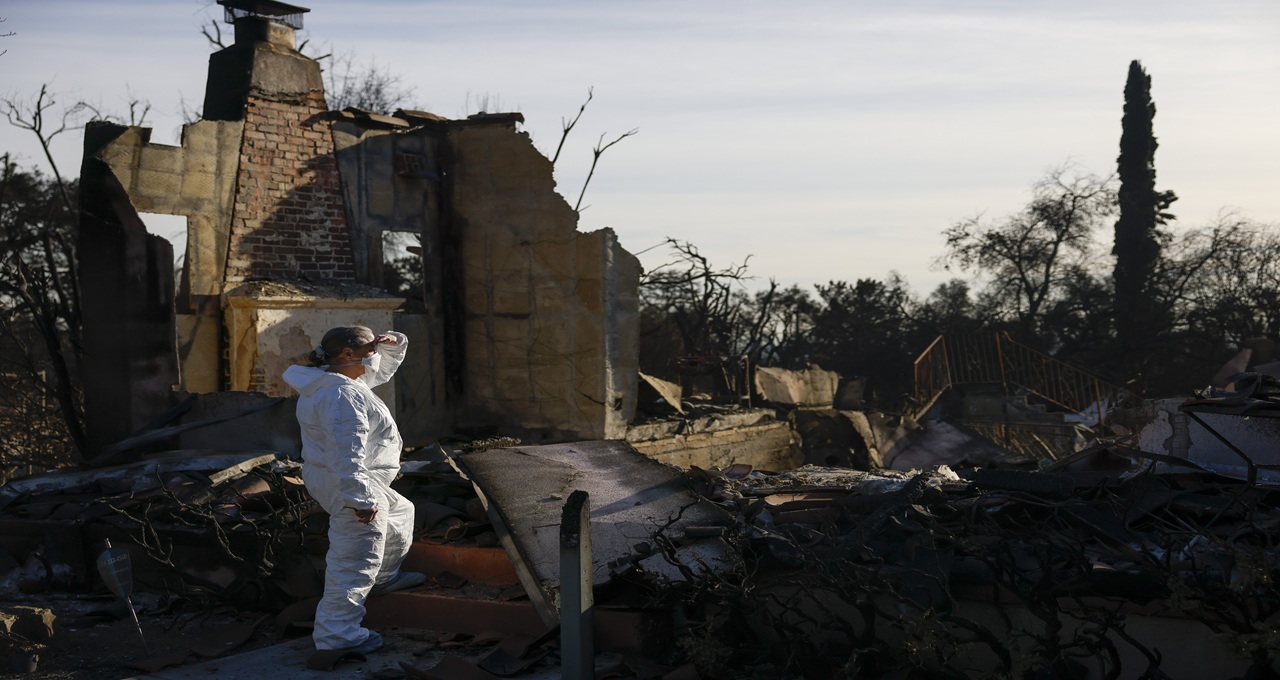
(549, 314)
(523, 324)
(127, 319)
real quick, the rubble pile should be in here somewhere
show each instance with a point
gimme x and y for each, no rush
(203, 530)
(212, 525)
(992, 572)
(232, 526)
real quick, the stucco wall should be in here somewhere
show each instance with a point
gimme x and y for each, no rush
(272, 325)
(550, 314)
(391, 181)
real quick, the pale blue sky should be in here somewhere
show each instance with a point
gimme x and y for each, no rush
(829, 140)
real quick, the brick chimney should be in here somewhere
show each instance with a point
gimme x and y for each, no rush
(288, 217)
(264, 59)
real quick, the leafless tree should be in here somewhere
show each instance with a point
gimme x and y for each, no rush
(190, 113)
(40, 324)
(1030, 255)
(34, 116)
(212, 31)
(705, 303)
(368, 86)
(485, 102)
(38, 279)
(137, 108)
(1222, 281)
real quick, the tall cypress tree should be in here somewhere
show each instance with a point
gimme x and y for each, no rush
(1142, 213)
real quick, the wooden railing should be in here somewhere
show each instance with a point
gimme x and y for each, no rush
(1033, 440)
(997, 359)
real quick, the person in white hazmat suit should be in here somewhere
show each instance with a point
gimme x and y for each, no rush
(351, 454)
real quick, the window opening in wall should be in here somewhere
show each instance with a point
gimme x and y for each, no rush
(172, 228)
(402, 270)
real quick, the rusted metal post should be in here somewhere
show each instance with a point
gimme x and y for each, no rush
(577, 645)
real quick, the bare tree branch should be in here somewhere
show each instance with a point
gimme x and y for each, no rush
(364, 86)
(5, 35)
(37, 272)
(568, 125)
(597, 152)
(212, 32)
(32, 115)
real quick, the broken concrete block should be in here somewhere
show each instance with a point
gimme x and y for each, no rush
(752, 437)
(810, 387)
(32, 623)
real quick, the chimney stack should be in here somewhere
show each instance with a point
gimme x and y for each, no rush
(263, 61)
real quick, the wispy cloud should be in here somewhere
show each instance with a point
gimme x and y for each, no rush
(829, 139)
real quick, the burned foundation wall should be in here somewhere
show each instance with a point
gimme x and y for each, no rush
(763, 443)
(195, 180)
(549, 314)
(523, 324)
(128, 361)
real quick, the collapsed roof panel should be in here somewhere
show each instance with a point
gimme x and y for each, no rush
(641, 513)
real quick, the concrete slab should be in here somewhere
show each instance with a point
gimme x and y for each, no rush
(288, 660)
(632, 499)
(810, 387)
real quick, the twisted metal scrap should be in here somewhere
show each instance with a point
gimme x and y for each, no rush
(873, 590)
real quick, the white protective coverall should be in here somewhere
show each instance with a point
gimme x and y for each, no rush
(351, 454)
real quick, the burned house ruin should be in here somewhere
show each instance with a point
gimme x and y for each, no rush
(523, 321)
(1151, 544)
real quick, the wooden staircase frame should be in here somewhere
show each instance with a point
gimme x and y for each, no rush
(997, 359)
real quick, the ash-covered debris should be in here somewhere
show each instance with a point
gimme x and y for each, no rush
(641, 513)
(755, 483)
(203, 530)
(993, 573)
(202, 524)
(231, 526)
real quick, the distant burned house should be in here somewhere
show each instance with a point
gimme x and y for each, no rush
(522, 320)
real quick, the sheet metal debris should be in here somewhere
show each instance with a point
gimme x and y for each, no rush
(138, 476)
(1233, 433)
(892, 571)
